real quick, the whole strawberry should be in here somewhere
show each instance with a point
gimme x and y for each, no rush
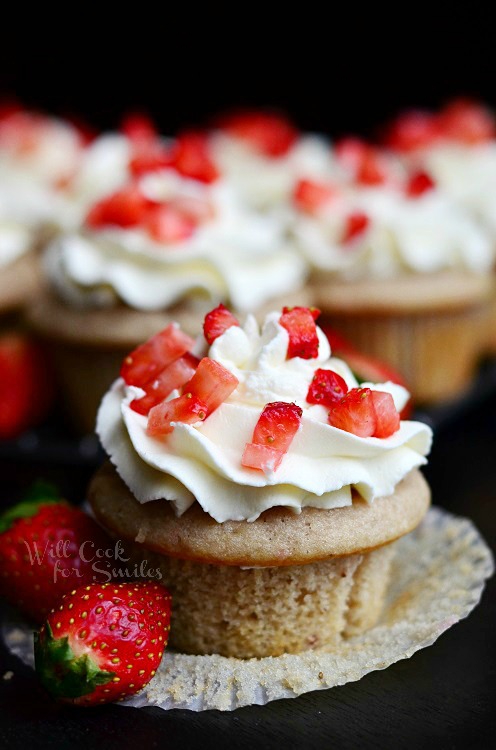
(104, 642)
(47, 548)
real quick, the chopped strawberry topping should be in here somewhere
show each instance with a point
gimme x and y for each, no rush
(166, 223)
(412, 130)
(356, 224)
(139, 127)
(387, 416)
(209, 387)
(299, 322)
(270, 134)
(467, 121)
(309, 196)
(419, 183)
(364, 161)
(217, 322)
(185, 408)
(261, 457)
(355, 413)
(148, 157)
(173, 376)
(326, 388)
(190, 156)
(212, 383)
(272, 436)
(366, 413)
(125, 208)
(149, 359)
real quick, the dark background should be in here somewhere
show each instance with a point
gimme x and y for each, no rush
(333, 68)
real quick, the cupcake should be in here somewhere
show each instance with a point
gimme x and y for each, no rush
(457, 147)
(38, 154)
(399, 269)
(265, 485)
(173, 240)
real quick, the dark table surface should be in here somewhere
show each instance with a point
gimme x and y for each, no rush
(442, 697)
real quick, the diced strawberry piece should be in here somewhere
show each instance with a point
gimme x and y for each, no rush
(270, 134)
(419, 183)
(277, 425)
(125, 208)
(261, 457)
(412, 130)
(149, 359)
(139, 127)
(356, 224)
(326, 388)
(217, 322)
(310, 196)
(363, 160)
(185, 408)
(212, 383)
(190, 156)
(8, 108)
(173, 376)
(467, 121)
(387, 416)
(299, 322)
(166, 224)
(149, 157)
(355, 413)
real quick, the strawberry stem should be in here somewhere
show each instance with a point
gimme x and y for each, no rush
(62, 673)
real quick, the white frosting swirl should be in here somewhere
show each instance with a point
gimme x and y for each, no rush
(424, 234)
(203, 461)
(235, 256)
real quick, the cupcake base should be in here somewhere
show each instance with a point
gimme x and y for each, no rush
(432, 330)
(20, 282)
(284, 583)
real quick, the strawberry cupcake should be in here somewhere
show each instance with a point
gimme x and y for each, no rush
(457, 147)
(170, 242)
(267, 487)
(399, 269)
(38, 154)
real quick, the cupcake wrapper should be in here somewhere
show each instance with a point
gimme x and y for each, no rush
(438, 577)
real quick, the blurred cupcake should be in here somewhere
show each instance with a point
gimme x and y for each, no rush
(399, 269)
(163, 247)
(457, 147)
(38, 156)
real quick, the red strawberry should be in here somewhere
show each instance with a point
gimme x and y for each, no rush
(270, 134)
(139, 127)
(299, 322)
(309, 196)
(47, 547)
(103, 642)
(326, 388)
(173, 376)
(209, 387)
(272, 436)
(364, 161)
(190, 156)
(148, 156)
(419, 183)
(355, 413)
(356, 224)
(26, 384)
(149, 359)
(217, 322)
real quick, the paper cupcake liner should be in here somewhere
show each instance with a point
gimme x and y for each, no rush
(437, 579)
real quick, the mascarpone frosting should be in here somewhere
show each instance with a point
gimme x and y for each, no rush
(203, 461)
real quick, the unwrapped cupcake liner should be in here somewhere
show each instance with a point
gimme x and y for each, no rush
(438, 577)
